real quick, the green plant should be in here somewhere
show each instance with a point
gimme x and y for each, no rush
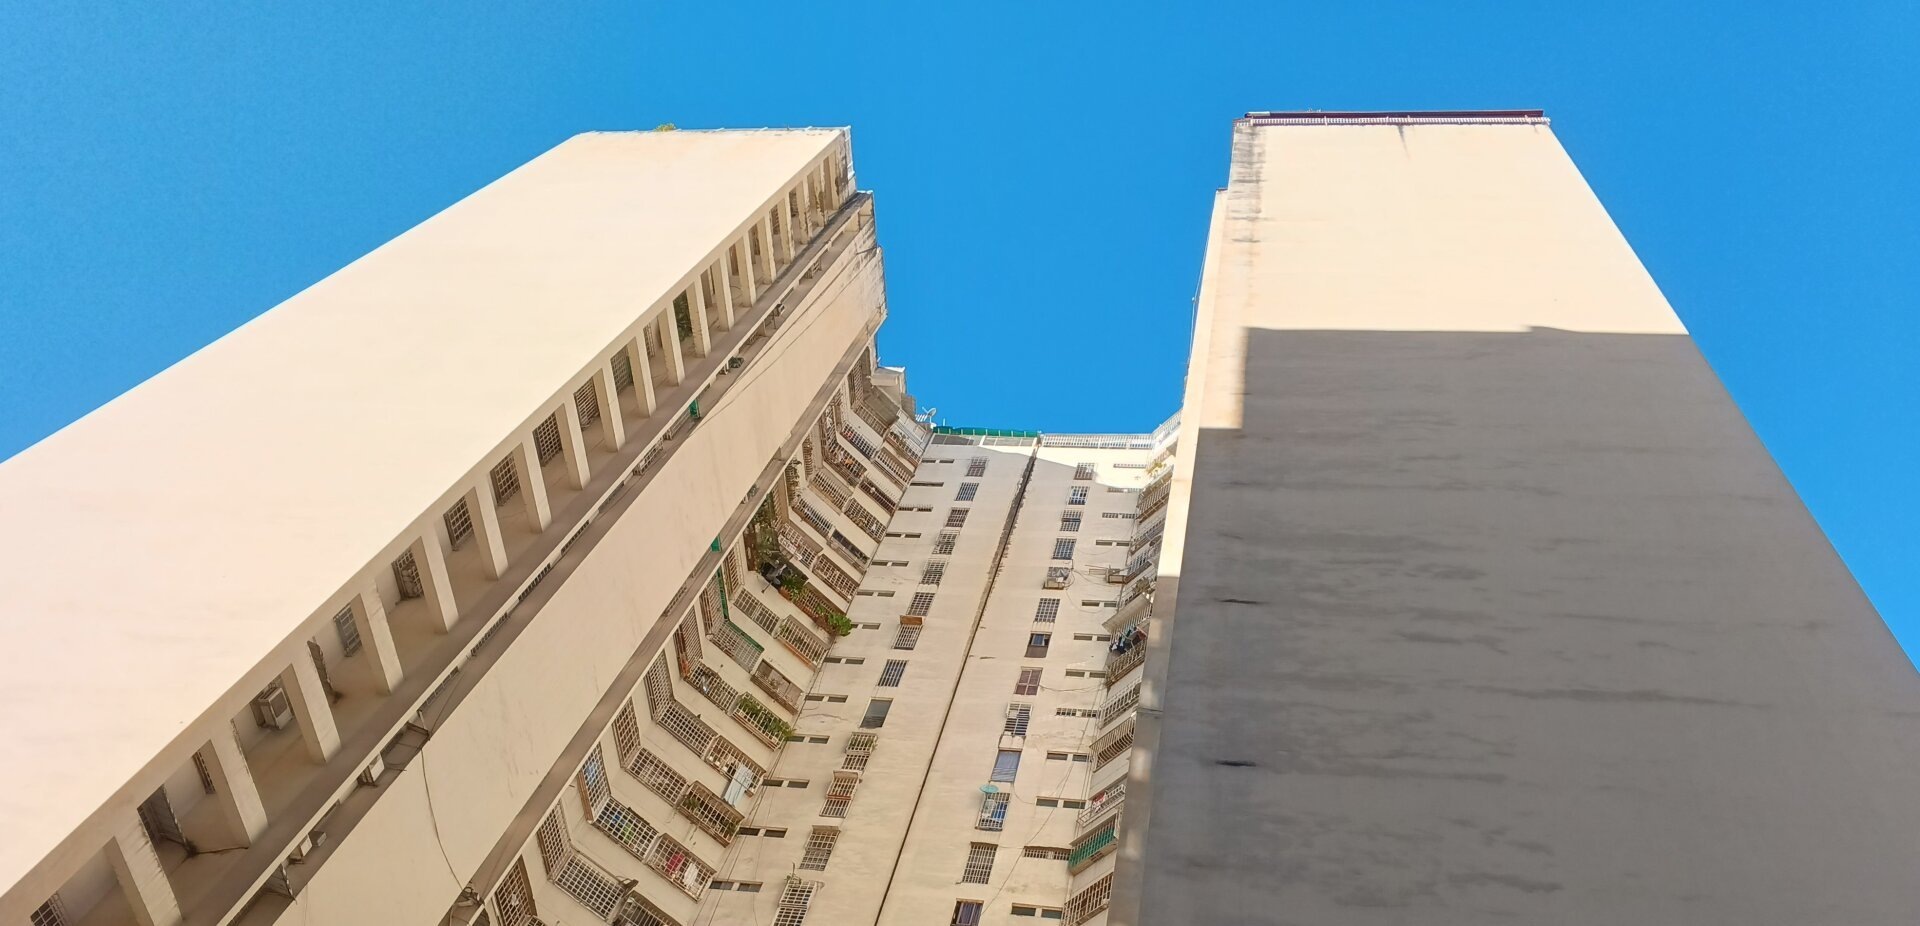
(666, 127)
(682, 317)
(793, 583)
(839, 624)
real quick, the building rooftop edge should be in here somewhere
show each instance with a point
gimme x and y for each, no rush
(1398, 117)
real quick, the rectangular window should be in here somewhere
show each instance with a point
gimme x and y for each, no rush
(876, 714)
(934, 572)
(1096, 637)
(1037, 644)
(944, 544)
(819, 848)
(890, 676)
(1006, 765)
(921, 604)
(977, 466)
(967, 491)
(1083, 471)
(1063, 548)
(1123, 515)
(902, 534)
(873, 593)
(1047, 610)
(908, 637)
(845, 660)
(957, 517)
(348, 630)
(867, 625)
(1077, 495)
(966, 913)
(1070, 521)
(1051, 853)
(979, 867)
(927, 484)
(1075, 712)
(1029, 683)
(1018, 717)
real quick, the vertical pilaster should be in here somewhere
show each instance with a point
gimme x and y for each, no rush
(613, 428)
(719, 294)
(573, 444)
(642, 373)
(311, 709)
(533, 487)
(142, 881)
(436, 588)
(486, 530)
(697, 313)
(669, 341)
(766, 248)
(749, 290)
(234, 790)
(787, 245)
(376, 639)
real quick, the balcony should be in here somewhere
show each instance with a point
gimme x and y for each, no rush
(1120, 705)
(1058, 577)
(1107, 800)
(783, 691)
(1094, 846)
(710, 813)
(761, 721)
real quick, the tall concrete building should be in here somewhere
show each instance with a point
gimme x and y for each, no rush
(571, 560)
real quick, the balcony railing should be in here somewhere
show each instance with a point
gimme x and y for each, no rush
(1089, 903)
(710, 813)
(783, 691)
(761, 721)
(1120, 705)
(1093, 847)
(1119, 664)
(1110, 799)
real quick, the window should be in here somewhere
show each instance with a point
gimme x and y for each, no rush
(957, 517)
(829, 698)
(979, 867)
(846, 660)
(1110, 543)
(944, 544)
(967, 491)
(902, 534)
(1086, 673)
(908, 637)
(1068, 757)
(1051, 853)
(993, 810)
(348, 630)
(921, 604)
(1063, 548)
(1123, 515)
(1083, 471)
(1077, 495)
(1047, 610)
(927, 484)
(1129, 466)
(745, 887)
(977, 466)
(876, 714)
(934, 572)
(1018, 716)
(546, 438)
(51, 913)
(1097, 603)
(1098, 637)
(873, 593)
(769, 832)
(1075, 712)
(1006, 765)
(1029, 683)
(914, 508)
(887, 562)
(966, 913)
(890, 676)
(819, 848)
(1070, 521)
(866, 625)
(1037, 644)
(794, 903)
(813, 740)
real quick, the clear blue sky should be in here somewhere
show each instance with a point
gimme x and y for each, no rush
(168, 171)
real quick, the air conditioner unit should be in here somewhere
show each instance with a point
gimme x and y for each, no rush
(271, 709)
(370, 775)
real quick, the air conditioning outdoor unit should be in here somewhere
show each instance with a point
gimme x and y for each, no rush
(271, 709)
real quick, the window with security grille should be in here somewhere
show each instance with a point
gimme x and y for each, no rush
(1047, 610)
(1029, 682)
(546, 438)
(794, 902)
(1018, 717)
(966, 913)
(1070, 521)
(406, 573)
(348, 631)
(594, 790)
(1063, 548)
(459, 523)
(891, 675)
(1006, 765)
(1083, 471)
(506, 481)
(819, 848)
(967, 491)
(51, 913)
(957, 517)
(993, 810)
(1051, 853)
(586, 403)
(622, 371)
(1037, 644)
(1077, 495)
(944, 543)
(979, 867)
(907, 638)
(514, 897)
(934, 572)
(921, 604)
(977, 466)
(876, 716)
(1121, 515)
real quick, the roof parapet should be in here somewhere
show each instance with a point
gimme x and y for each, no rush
(1400, 117)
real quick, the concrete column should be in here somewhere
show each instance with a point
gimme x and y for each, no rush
(142, 881)
(669, 341)
(642, 373)
(697, 313)
(766, 248)
(533, 488)
(234, 790)
(749, 290)
(787, 244)
(376, 639)
(613, 428)
(486, 528)
(719, 294)
(573, 445)
(808, 219)
(310, 709)
(435, 586)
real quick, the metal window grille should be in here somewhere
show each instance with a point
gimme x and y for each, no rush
(819, 848)
(657, 775)
(546, 438)
(1058, 577)
(626, 733)
(907, 638)
(966, 912)
(595, 792)
(1037, 644)
(921, 604)
(873, 527)
(711, 813)
(1083, 471)
(1018, 717)
(1063, 548)
(206, 774)
(862, 744)
(506, 481)
(407, 574)
(682, 725)
(993, 811)
(1089, 903)
(51, 913)
(967, 491)
(876, 716)
(944, 544)
(594, 888)
(1047, 610)
(675, 862)
(957, 517)
(555, 846)
(1050, 853)
(1006, 765)
(1070, 520)
(979, 867)
(891, 675)
(636, 910)
(977, 466)
(586, 402)
(659, 686)
(727, 758)
(1029, 683)
(1112, 746)
(459, 523)
(514, 897)
(622, 371)
(794, 901)
(349, 632)
(933, 573)
(624, 826)
(1122, 515)
(1119, 705)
